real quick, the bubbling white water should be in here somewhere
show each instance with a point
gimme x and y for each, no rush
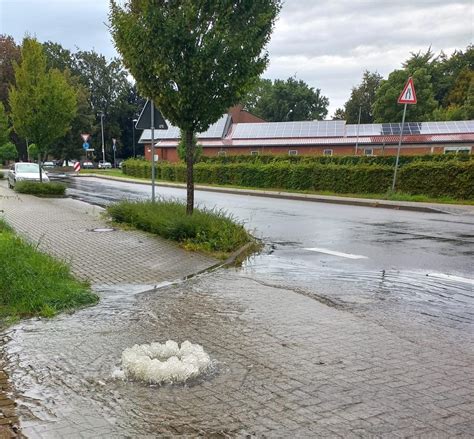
(158, 363)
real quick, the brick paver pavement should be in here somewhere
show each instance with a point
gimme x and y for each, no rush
(64, 228)
(288, 366)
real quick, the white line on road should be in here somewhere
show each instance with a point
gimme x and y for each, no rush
(334, 253)
(451, 277)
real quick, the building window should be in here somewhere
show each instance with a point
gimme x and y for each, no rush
(222, 153)
(327, 152)
(457, 149)
(293, 152)
(368, 151)
(253, 152)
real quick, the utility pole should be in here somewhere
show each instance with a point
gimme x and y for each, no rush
(152, 151)
(102, 128)
(134, 121)
(358, 126)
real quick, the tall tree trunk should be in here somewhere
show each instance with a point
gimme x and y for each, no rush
(189, 172)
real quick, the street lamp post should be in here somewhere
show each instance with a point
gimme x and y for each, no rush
(102, 128)
(133, 131)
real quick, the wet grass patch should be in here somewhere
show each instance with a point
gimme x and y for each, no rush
(207, 230)
(41, 189)
(35, 284)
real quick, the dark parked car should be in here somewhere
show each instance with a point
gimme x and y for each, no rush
(87, 165)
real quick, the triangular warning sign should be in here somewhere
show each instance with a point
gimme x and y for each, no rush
(85, 137)
(408, 95)
(144, 120)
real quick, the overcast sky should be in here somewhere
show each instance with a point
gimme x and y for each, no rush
(328, 43)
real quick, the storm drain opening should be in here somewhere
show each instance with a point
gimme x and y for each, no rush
(102, 229)
(160, 363)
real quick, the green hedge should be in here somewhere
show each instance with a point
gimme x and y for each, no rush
(337, 160)
(451, 178)
(41, 189)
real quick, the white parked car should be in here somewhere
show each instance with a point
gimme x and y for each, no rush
(25, 172)
(104, 165)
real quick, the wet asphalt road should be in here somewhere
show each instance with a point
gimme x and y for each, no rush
(362, 257)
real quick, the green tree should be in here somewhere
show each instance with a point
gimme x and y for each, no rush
(339, 114)
(4, 126)
(386, 108)
(363, 98)
(8, 152)
(42, 102)
(287, 100)
(9, 54)
(194, 58)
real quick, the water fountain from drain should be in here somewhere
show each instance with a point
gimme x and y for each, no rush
(159, 363)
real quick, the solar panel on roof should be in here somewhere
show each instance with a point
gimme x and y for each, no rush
(365, 129)
(266, 130)
(215, 131)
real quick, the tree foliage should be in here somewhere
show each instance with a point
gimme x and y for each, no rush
(4, 126)
(42, 103)
(194, 58)
(387, 109)
(363, 98)
(9, 54)
(287, 100)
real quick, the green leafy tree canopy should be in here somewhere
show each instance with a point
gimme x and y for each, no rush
(194, 58)
(363, 98)
(287, 100)
(42, 102)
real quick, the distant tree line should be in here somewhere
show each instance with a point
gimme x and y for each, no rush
(100, 86)
(444, 86)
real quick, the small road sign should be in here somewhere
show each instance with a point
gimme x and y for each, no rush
(144, 120)
(77, 167)
(408, 95)
(85, 137)
(85, 146)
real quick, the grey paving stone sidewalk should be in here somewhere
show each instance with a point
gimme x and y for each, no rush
(64, 228)
(288, 366)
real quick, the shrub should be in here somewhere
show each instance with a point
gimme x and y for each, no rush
(1, 175)
(436, 179)
(207, 230)
(442, 175)
(40, 189)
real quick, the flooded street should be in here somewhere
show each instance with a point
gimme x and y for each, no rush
(352, 322)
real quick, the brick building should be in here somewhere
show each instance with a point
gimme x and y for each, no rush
(240, 132)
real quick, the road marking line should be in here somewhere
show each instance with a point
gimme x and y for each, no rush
(451, 277)
(334, 253)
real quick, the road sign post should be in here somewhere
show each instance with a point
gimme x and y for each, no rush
(114, 147)
(408, 96)
(151, 118)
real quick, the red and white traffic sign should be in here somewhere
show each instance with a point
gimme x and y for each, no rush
(85, 137)
(408, 95)
(77, 167)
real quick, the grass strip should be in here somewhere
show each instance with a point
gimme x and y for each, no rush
(41, 189)
(35, 284)
(208, 230)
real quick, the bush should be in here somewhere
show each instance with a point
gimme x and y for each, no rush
(337, 160)
(32, 283)
(443, 175)
(437, 179)
(40, 189)
(2, 175)
(207, 230)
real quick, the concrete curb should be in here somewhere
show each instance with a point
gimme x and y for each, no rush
(385, 204)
